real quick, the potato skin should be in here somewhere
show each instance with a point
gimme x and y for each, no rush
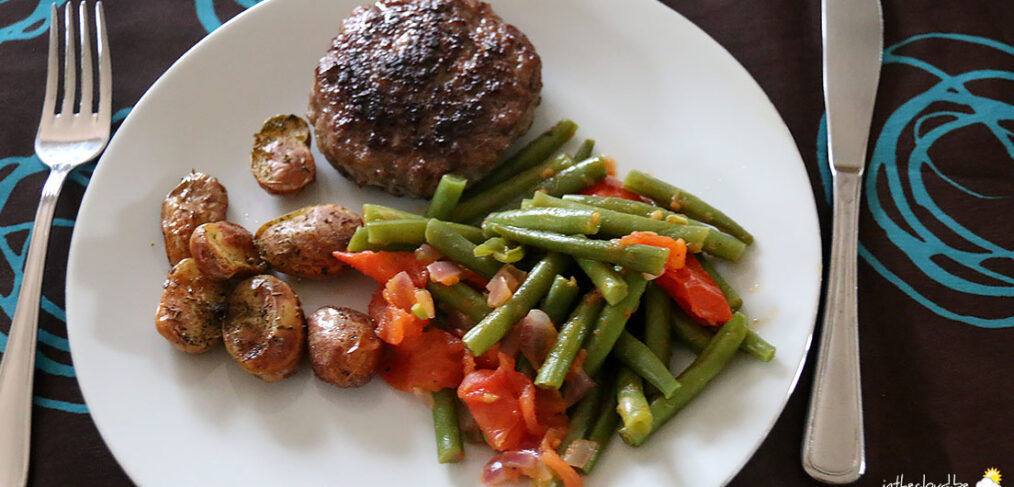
(281, 160)
(300, 243)
(198, 199)
(190, 312)
(265, 329)
(223, 250)
(344, 350)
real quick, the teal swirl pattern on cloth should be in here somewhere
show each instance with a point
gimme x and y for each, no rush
(18, 168)
(905, 185)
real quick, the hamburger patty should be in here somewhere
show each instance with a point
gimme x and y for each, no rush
(413, 89)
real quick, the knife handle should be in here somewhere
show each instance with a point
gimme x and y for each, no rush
(833, 449)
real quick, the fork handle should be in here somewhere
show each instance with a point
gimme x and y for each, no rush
(833, 449)
(18, 366)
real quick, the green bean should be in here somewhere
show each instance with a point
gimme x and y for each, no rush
(635, 354)
(582, 417)
(560, 298)
(617, 224)
(561, 220)
(642, 258)
(676, 199)
(602, 431)
(412, 231)
(611, 323)
(443, 237)
(496, 324)
(446, 197)
(631, 207)
(610, 282)
(462, 298)
(573, 179)
(537, 151)
(572, 335)
(445, 425)
(657, 335)
(372, 213)
(708, 364)
(360, 241)
(731, 296)
(632, 407)
(584, 151)
(500, 249)
(716, 243)
(696, 337)
(509, 191)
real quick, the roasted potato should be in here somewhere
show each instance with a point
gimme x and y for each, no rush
(344, 351)
(224, 249)
(190, 312)
(281, 160)
(198, 199)
(264, 329)
(300, 243)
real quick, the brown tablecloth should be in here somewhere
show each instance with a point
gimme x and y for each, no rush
(936, 272)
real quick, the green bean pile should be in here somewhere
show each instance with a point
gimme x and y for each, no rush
(527, 213)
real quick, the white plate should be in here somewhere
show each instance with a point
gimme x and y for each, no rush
(655, 91)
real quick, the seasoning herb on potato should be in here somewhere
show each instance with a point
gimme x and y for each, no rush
(300, 243)
(223, 250)
(190, 312)
(281, 160)
(264, 329)
(344, 350)
(198, 199)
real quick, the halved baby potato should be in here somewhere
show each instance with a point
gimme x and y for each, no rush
(281, 160)
(264, 329)
(198, 199)
(190, 312)
(300, 243)
(344, 350)
(223, 250)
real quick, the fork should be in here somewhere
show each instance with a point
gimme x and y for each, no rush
(64, 141)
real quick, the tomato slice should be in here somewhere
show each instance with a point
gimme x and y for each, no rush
(393, 323)
(613, 187)
(696, 293)
(382, 266)
(677, 248)
(494, 399)
(430, 361)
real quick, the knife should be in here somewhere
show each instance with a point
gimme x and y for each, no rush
(853, 33)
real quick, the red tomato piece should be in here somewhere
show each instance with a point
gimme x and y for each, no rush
(382, 266)
(696, 293)
(430, 361)
(565, 472)
(613, 187)
(494, 399)
(393, 324)
(677, 248)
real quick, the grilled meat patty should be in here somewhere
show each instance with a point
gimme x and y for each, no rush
(413, 89)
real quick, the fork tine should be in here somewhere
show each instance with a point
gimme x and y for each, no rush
(69, 62)
(105, 68)
(52, 69)
(86, 59)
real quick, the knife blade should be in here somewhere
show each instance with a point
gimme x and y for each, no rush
(833, 444)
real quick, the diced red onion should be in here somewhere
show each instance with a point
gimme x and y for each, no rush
(509, 466)
(578, 384)
(499, 291)
(401, 290)
(427, 253)
(579, 452)
(537, 335)
(444, 272)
